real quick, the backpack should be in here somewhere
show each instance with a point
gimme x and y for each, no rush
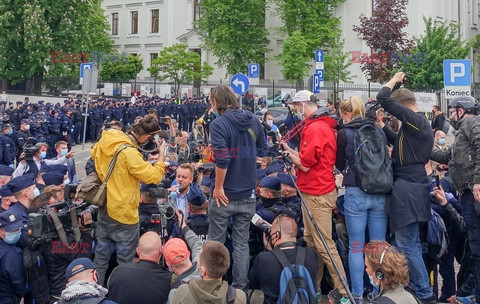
(446, 126)
(36, 274)
(373, 165)
(436, 235)
(296, 285)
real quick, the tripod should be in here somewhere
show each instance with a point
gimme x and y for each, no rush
(288, 165)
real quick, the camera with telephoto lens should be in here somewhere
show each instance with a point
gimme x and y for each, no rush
(158, 192)
(195, 154)
(41, 226)
(29, 148)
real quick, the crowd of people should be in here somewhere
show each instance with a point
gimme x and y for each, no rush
(206, 202)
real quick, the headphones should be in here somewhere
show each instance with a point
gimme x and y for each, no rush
(379, 272)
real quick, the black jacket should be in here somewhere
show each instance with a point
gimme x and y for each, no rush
(438, 122)
(143, 282)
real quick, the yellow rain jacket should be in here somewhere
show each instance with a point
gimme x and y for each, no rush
(123, 187)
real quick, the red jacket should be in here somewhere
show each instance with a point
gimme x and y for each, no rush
(318, 148)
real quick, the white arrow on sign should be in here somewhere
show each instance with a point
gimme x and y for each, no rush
(238, 82)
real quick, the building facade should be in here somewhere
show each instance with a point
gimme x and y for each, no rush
(146, 27)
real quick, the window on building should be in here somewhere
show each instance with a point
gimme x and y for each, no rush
(153, 56)
(197, 10)
(133, 54)
(155, 20)
(375, 4)
(134, 28)
(114, 23)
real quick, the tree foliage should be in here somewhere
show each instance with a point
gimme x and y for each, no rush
(118, 71)
(32, 29)
(179, 65)
(383, 33)
(311, 21)
(423, 64)
(235, 32)
(294, 61)
(337, 62)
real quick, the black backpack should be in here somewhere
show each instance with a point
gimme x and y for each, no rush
(38, 286)
(373, 165)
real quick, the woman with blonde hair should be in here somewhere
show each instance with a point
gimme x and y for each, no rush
(387, 268)
(361, 209)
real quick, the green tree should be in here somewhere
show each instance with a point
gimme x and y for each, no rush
(118, 71)
(337, 62)
(423, 64)
(312, 21)
(293, 60)
(235, 32)
(33, 29)
(176, 63)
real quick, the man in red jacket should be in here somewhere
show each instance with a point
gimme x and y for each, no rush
(315, 178)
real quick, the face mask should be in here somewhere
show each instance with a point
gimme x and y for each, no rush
(375, 285)
(66, 182)
(215, 113)
(270, 122)
(153, 161)
(302, 113)
(43, 154)
(27, 127)
(63, 152)
(454, 124)
(13, 237)
(36, 192)
(10, 132)
(441, 141)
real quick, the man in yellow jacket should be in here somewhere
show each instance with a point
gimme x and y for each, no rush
(118, 223)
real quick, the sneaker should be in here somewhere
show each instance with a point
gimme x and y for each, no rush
(358, 299)
(466, 300)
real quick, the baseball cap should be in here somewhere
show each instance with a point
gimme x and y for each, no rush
(271, 183)
(286, 180)
(176, 251)
(11, 219)
(304, 95)
(84, 264)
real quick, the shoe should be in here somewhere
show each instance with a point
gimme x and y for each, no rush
(358, 299)
(430, 300)
(466, 300)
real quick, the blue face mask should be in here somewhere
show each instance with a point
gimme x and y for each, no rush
(215, 113)
(66, 182)
(441, 141)
(43, 154)
(10, 132)
(63, 152)
(13, 237)
(36, 192)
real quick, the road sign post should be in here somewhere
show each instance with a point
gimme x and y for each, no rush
(89, 80)
(457, 78)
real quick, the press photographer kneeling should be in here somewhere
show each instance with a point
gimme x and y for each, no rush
(59, 246)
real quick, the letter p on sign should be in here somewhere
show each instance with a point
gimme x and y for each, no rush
(456, 73)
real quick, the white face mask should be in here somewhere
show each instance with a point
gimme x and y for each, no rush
(27, 127)
(270, 122)
(301, 112)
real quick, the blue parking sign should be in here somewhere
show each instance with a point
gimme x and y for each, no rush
(457, 73)
(316, 83)
(254, 70)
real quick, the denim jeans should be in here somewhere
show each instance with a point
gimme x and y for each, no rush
(408, 242)
(472, 220)
(362, 209)
(114, 236)
(241, 213)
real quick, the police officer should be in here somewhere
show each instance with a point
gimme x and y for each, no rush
(183, 116)
(21, 136)
(130, 114)
(190, 115)
(464, 168)
(197, 206)
(16, 116)
(77, 123)
(8, 145)
(12, 278)
(67, 127)
(53, 125)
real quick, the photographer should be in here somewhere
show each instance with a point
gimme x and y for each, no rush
(34, 164)
(118, 224)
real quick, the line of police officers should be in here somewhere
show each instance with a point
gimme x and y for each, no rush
(50, 123)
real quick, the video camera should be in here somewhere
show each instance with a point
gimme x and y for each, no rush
(195, 153)
(41, 227)
(29, 148)
(158, 192)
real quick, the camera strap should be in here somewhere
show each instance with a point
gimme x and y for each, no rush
(61, 231)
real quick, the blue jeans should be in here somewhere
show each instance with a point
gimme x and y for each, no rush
(362, 209)
(241, 213)
(408, 242)
(472, 220)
